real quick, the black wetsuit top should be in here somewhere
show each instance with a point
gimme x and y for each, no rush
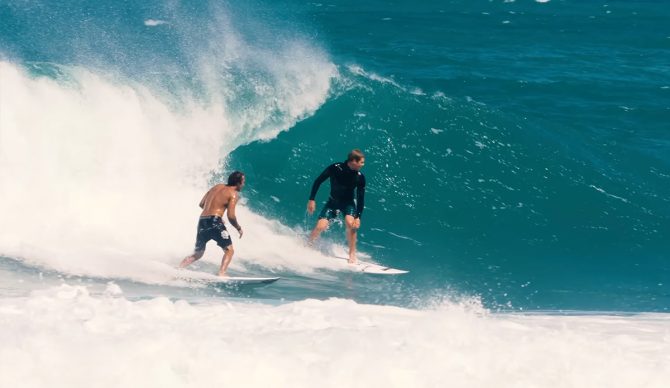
(343, 181)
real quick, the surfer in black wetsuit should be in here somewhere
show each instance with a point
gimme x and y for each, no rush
(344, 178)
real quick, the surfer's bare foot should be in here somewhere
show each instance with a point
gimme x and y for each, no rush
(223, 274)
(352, 260)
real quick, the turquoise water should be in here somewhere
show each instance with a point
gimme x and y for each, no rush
(516, 151)
(520, 147)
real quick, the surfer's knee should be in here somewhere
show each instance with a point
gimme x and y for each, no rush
(198, 254)
(229, 250)
(322, 225)
(351, 223)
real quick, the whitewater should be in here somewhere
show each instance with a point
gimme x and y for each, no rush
(102, 338)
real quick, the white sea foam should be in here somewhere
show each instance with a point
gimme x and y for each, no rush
(154, 22)
(103, 178)
(598, 189)
(109, 341)
(358, 70)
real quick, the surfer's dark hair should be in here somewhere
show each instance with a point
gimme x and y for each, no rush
(355, 155)
(235, 178)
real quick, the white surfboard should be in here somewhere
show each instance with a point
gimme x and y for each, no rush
(234, 280)
(209, 279)
(362, 266)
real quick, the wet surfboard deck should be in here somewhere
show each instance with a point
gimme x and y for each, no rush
(371, 268)
(242, 280)
(213, 280)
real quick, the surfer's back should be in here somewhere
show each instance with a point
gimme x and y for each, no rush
(217, 199)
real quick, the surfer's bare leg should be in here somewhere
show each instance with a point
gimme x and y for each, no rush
(190, 259)
(321, 225)
(352, 236)
(226, 259)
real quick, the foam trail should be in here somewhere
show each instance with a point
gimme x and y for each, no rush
(336, 342)
(103, 178)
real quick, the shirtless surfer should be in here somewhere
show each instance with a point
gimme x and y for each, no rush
(217, 200)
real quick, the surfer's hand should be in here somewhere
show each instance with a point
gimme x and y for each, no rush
(240, 231)
(311, 205)
(357, 223)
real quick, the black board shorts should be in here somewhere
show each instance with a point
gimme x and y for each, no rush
(212, 228)
(332, 209)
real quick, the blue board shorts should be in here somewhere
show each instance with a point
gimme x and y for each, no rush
(332, 209)
(212, 228)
